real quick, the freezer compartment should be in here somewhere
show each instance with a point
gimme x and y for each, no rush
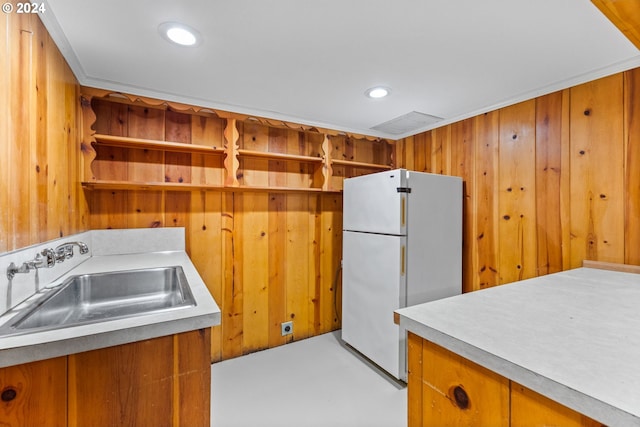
(374, 285)
(372, 203)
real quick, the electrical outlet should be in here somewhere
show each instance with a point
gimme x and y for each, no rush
(287, 328)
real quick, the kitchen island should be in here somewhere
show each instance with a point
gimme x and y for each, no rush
(560, 349)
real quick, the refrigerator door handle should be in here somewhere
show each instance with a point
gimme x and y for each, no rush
(403, 211)
(403, 259)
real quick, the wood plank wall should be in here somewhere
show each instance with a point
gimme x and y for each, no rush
(547, 182)
(266, 257)
(40, 195)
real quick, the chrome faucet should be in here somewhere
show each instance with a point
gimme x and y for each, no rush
(65, 250)
(47, 258)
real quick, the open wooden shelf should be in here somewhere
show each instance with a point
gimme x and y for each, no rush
(152, 144)
(279, 156)
(179, 186)
(360, 164)
(238, 156)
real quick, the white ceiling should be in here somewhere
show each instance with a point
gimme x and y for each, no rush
(310, 62)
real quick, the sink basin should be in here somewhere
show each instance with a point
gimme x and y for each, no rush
(91, 298)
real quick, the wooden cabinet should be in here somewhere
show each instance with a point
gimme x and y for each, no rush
(34, 394)
(164, 381)
(444, 389)
(133, 143)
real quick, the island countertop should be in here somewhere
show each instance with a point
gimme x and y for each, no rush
(572, 336)
(29, 347)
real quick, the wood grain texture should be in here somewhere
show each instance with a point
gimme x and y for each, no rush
(415, 402)
(487, 393)
(130, 385)
(39, 128)
(487, 242)
(529, 408)
(445, 389)
(516, 192)
(597, 171)
(625, 15)
(632, 167)
(40, 394)
(551, 189)
(576, 155)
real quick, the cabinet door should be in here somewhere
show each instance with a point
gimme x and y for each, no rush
(530, 409)
(34, 394)
(159, 382)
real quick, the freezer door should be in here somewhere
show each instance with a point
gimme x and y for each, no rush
(373, 286)
(372, 203)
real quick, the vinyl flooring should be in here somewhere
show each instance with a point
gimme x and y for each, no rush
(318, 381)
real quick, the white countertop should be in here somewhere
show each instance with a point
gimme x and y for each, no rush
(572, 336)
(47, 344)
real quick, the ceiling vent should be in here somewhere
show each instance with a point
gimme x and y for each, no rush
(407, 123)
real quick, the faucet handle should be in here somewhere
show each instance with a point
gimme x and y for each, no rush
(46, 258)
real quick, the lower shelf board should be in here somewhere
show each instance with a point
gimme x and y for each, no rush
(176, 186)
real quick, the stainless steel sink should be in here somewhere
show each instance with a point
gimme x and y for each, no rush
(91, 298)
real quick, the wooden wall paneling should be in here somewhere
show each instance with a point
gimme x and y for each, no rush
(487, 244)
(39, 147)
(108, 209)
(440, 150)
(597, 171)
(207, 169)
(421, 147)
(6, 136)
(463, 165)
(21, 122)
(329, 255)
(551, 189)
(231, 302)
(252, 261)
(632, 167)
(60, 212)
(254, 171)
(299, 174)
(277, 270)
(277, 143)
(40, 394)
(404, 159)
(517, 192)
(205, 248)
(177, 129)
(297, 254)
(338, 152)
(146, 207)
(177, 169)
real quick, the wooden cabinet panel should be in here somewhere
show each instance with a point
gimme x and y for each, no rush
(445, 389)
(530, 409)
(34, 394)
(159, 382)
(457, 392)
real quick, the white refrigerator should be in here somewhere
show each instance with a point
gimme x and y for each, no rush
(402, 245)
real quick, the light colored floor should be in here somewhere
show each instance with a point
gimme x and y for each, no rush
(314, 382)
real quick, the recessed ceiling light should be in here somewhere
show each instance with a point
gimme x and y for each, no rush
(378, 92)
(180, 34)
